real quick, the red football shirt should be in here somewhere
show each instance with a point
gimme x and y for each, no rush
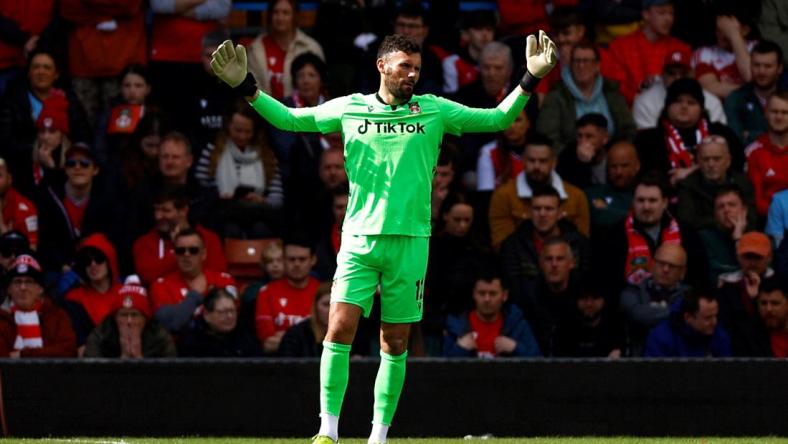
(486, 332)
(280, 305)
(780, 344)
(172, 288)
(275, 62)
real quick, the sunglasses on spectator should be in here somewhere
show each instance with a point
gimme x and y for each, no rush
(84, 163)
(192, 251)
(85, 259)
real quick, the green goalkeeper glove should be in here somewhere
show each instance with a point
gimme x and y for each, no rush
(229, 64)
(541, 55)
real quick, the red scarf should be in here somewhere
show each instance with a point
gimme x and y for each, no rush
(498, 164)
(639, 258)
(28, 328)
(678, 152)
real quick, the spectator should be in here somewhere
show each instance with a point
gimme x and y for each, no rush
(724, 67)
(272, 260)
(777, 218)
(635, 59)
(153, 252)
(731, 220)
(70, 210)
(247, 177)
(583, 90)
(477, 29)
(774, 16)
(23, 102)
(456, 254)
(103, 39)
(691, 332)
(176, 46)
(124, 115)
(91, 300)
(12, 244)
(202, 116)
(568, 28)
(773, 310)
(217, 333)
(593, 331)
(299, 153)
(746, 106)
(129, 331)
(175, 160)
(520, 251)
(443, 179)
(767, 162)
(486, 91)
(49, 149)
(528, 18)
(584, 162)
(412, 21)
(630, 246)
(501, 159)
(272, 53)
(670, 147)
(551, 300)
(510, 204)
(491, 329)
(738, 290)
(287, 301)
(610, 203)
(23, 28)
(18, 213)
(177, 297)
(35, 327)
(648, 303)
(713, 172)
(328, 247)
(305, 339)
(648, 103)
(140, 153)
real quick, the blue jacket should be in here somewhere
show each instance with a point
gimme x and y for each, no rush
(514, 326)
(673, 338)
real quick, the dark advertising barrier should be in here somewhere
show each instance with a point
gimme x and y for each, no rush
(441, 398)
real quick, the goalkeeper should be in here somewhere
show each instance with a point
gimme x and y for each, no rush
(391, 148)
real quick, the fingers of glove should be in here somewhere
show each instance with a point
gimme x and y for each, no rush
(227, 51)
(543, 40)
(216, 66)
(240, 55)
(552, 53)
(531, 46)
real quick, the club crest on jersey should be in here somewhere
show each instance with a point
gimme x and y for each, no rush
(414, 107)
(370, 108)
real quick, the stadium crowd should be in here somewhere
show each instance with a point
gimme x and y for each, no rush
(637, 207)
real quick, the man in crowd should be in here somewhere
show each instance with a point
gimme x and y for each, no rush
(177, 297)
(767, 157)
(773, 310)
(492, 328)
(285, 302)
(584, 162)
(16, 211)
(610, 202)
(731, 220)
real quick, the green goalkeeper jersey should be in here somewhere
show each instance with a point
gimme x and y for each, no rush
(390, 151)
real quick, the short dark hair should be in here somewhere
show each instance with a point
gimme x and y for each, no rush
(299, 239)
(189, 231)
(213, 296)
(396, 42)
(413, 9)
(478, 19)
(564, 17)
(585, 44)
(542, 190)
(177, 194)
(308, 58)
(654, 179)
(768, 46)
(490, 273)
(596, 119)
(728, 188)
(177, 137)
(537, 138)
(447, 153)
(774, 283)
(690, 302)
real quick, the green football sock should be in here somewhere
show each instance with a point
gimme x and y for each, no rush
(334, 364)
(388, 386)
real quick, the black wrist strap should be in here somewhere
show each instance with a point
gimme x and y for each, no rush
(247, 88)
(529, 82)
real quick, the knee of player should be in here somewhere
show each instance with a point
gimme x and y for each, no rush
(394, 343)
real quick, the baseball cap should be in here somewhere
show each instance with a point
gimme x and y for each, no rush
(80, 148)
(26, 265)
(754, 242)
(13, 242)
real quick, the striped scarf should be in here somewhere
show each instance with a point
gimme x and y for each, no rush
(639, 258)
(28, 328)
(679, 154)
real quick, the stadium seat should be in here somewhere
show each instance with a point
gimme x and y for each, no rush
(243, 258)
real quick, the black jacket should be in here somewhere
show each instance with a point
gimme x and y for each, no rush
(201, 342)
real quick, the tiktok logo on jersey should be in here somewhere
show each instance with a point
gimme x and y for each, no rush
(391, 127)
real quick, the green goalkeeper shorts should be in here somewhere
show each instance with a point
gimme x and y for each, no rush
(396, 263)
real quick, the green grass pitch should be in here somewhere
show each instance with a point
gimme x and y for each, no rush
(617, 440)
